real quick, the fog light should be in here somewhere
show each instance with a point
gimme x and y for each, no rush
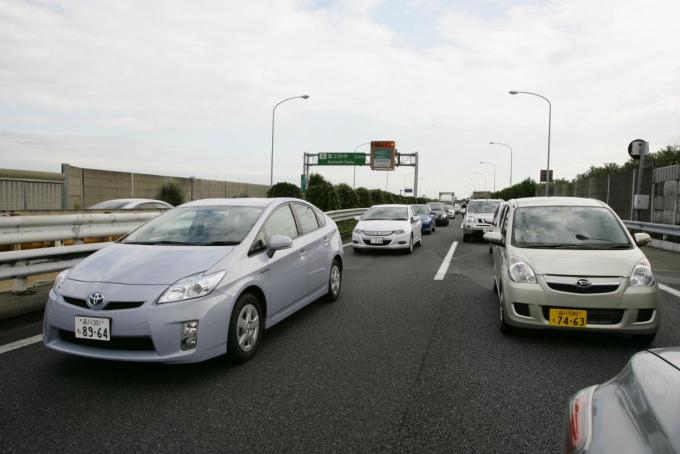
(189, 335)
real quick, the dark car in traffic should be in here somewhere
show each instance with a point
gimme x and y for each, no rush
(439, 210)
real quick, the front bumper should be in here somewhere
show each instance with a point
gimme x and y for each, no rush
(617, 311)
(475, 229)
(149, 333)
(393, 241)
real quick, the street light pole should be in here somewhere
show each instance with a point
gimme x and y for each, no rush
(509, 148)
(494, 173)
(484, 175)
(547, 170)
(354, 179)
(271, 165)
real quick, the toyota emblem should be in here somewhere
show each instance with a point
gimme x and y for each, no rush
(95, 300)
(583, 283)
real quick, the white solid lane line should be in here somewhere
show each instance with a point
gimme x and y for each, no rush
(670, 290)
(346, 244)
(20, 343)
(445, 264)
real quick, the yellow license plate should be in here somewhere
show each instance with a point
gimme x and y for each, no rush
(568, 317)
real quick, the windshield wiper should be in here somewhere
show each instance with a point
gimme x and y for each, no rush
(555, 246)
(219, 243)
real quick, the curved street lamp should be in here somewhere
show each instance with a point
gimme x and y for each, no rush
(494, 173)
(547, 170)
(484, 175)
(271, 166)
(509, 148)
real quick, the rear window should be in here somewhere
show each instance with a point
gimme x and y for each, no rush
(483, 206)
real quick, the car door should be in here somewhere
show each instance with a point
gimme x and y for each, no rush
(317, 243)
(416, 226)
(287, 268)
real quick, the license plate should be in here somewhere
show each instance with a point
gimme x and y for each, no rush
(568, 317)
(93, 328)
(376, 241)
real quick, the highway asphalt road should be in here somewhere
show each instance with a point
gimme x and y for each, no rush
(401, 363)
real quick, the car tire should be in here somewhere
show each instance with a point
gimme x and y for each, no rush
(505, 328)
(409, 250)
(643, 340)
(432, 229)
(490, 249)
(466, 238)
(495, 287)
(334, 282)
(246, 320)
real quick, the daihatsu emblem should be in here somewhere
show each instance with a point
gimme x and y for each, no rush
(95, 300)
(583, 283)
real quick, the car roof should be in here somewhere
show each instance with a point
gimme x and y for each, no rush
(244, 201)
(133, 200)
(557, 201)
(395, 205)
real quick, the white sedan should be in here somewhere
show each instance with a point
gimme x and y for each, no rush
(387, 227)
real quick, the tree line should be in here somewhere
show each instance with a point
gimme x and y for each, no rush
(327, 196)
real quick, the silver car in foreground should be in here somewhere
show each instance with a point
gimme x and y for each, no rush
(570, 263)
(636, 412)
(199, 281)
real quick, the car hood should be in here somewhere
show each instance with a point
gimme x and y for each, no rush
(382, 226)
(488, 217)
(146, 264)
(580, 262)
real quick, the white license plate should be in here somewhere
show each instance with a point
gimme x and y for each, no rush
(93, 328)
(376, 241)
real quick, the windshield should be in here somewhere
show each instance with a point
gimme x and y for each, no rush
(483, 206)
(109, 205)
(437, 206)
(205, 225)
(386, 214)
(568, 228)
(421, 209)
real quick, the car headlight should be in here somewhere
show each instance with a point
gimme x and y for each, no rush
(520, 271)
(469, 219)
(359, 232)
(399, 232)
(194, 286)
(442, 216)
(59, 281)
(642, 275)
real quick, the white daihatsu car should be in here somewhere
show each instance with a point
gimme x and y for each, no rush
(570, 263)
(387, 227)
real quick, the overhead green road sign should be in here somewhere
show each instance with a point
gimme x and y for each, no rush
(342, 159)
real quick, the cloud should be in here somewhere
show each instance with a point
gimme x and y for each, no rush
(175, 86)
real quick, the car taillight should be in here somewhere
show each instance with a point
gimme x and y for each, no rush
(580, 421)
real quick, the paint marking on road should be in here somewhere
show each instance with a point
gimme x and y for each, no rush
(346, 244)
(670, 290)
(20, 343)
(441, 272)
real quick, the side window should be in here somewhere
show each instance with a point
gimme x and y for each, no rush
(145, 206)
(320, 217)
(504, 220)
(280, 222)
(306, 217)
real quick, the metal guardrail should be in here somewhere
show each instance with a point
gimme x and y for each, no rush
(648, 227)
(18, 265)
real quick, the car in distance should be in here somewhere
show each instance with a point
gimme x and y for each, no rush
(450, 211)
(439, 210)
(387, 227)
(636, 412)
(426, 218)
(131, 204)
(570, 263)
(198, 281)
(479, 218)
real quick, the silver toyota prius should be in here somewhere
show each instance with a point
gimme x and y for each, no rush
(201, 280)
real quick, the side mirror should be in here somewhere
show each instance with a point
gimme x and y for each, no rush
(357, 218)
(415, 218)
(278, 242)
(642, 239)
(494, 238)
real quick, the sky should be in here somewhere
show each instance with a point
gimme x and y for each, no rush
(187, 88)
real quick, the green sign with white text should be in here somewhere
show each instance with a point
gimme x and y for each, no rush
(342, 159)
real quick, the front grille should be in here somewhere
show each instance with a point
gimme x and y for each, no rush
(110, 306)
(595, 316)
(138, 343)
(378, 233)
(593, 289)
